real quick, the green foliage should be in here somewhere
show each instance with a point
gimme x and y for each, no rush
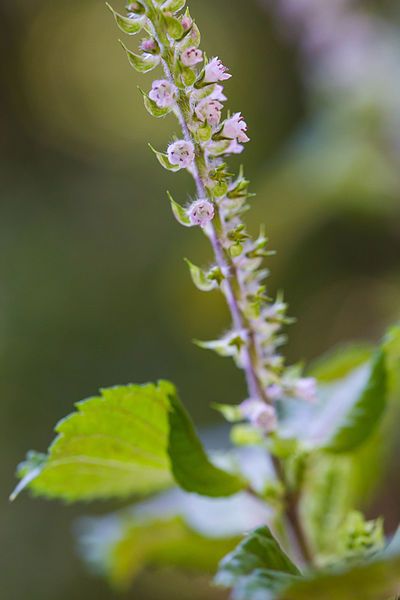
(179, 212)
(365, 413)
(191, 468)
(131, 440)
(143, 63)
(258, 551)
(360, 538)
(127, 25)
(259, 570)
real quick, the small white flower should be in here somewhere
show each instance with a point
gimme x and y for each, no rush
(201, 213)
(163, 93)
(181, 153)
(215, 71)
(209, 110)
(235, 129)
(259, 414)
(192, 56)
(306, 389)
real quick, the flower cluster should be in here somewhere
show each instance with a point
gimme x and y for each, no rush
(192, 88)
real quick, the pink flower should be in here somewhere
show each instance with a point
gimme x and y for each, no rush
(201, 213)
(234, 148)
(218, 93)
(181, 153)
(191, 57)
(259, 414)
(306, 389)
(209, 110)
(235, 129)
(215, 71)
(163, 93)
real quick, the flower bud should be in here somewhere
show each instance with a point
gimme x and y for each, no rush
(134, 9)
(186, 22)
(163, 93)
(192, 56)
(149, 45)
(181, 153)
(215, 71)
(259, 414)
(235, 129)
(201, 212)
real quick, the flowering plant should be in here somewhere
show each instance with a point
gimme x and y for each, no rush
(292, 482)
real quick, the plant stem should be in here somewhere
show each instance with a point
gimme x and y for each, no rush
(233, 293)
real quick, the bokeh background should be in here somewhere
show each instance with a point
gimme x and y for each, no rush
(93, 288)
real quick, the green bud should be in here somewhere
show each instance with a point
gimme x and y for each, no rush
(235, 250)
(141, 63)
(188, 76)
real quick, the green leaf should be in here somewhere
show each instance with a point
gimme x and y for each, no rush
(259, 550)
(339, 363)
(190, 465)
(373, 580)
(152, 107)
(174, 5)
(174, 27)
(129, 26)
(125, 442)
(130, 544)
(179, 212)
(164, 161)
(200, 278)
(188, 76)
(141, 62)
(364, 415)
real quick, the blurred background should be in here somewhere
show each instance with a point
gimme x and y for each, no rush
(93, 288)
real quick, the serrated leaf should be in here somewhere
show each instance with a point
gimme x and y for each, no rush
(127, 441)
(127, 25)
(143, 63)
(179, 212)
(259, 550)
(200, 278)
(174, 27)
(152, 107)
(164, 161)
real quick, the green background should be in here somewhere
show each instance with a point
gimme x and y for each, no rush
(93, 288)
